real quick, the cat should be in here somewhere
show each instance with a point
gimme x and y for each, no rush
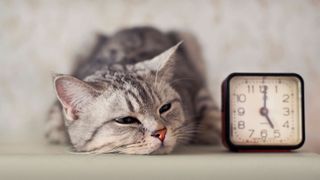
(139, 91)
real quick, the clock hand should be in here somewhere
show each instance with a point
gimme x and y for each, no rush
(264, 110)
(268, 118)
(265, 97)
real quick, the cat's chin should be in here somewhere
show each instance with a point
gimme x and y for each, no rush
(156, 150)
(163, 149)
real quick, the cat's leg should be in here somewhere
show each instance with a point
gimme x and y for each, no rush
(209, 119)
(54, 126)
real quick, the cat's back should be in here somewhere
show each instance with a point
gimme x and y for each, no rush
(127, 46)
(130, 46)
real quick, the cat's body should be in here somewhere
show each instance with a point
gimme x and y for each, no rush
(132, 99)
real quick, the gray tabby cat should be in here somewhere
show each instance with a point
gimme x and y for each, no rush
(139, 91)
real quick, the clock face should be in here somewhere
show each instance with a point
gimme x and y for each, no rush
(265, 110)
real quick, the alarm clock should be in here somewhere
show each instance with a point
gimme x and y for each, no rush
(263, 111)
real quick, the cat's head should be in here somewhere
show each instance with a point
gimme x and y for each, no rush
(134, 111)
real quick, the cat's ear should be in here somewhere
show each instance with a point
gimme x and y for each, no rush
(163, 63)
(73, 94)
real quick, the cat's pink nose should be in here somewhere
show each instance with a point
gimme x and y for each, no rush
(160, 134)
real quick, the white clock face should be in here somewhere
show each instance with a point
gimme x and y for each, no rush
(265, 110)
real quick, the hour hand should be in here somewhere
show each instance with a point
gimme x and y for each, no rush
(264, 112)
(270, 122)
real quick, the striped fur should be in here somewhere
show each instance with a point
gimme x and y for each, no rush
(134, 73)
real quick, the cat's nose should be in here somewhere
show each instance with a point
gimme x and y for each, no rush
(160, 134)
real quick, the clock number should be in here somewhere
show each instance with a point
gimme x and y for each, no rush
(286, 124)
(241, 98)
(251, 132)
(286, 111)
(264, 134)
(241, 111)
(241, 125)
(276, 133)
(285, 98)
(250, 88)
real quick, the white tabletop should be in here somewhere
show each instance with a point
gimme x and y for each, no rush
(192, 162)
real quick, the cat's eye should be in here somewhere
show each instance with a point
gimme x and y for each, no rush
(127, 120)
(165, 108)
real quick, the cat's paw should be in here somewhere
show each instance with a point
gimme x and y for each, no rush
(209, 131)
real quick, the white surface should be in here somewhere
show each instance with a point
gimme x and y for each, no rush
(186, 163)
(40, 37)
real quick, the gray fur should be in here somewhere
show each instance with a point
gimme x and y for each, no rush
(134, 73)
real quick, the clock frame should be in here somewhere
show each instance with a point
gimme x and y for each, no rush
(226, 133)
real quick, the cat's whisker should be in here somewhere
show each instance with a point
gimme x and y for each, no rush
(136, 145)
(181, 79)
(106, 149)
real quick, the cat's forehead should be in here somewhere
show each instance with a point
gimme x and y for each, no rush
(136, 90)
(143, 89)
(133, 93)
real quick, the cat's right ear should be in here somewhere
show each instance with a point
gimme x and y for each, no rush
(73, 94)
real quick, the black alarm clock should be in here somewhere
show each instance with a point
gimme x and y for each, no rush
(263, 111)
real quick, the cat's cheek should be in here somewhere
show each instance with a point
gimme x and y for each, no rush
(170, 142)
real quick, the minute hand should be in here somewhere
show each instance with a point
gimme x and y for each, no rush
(264, 110)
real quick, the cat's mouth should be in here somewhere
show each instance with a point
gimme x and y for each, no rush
(163, 148)
(166, 146)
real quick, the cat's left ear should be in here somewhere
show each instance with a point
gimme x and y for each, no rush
(73, 94)
(163, 63)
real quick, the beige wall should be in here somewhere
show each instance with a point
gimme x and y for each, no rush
(40, 37)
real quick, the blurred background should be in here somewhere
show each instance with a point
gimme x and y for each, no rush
(41, 37)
